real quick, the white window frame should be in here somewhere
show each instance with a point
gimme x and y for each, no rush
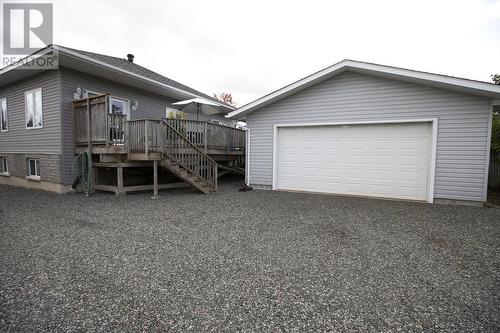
(111, 98)
(34, 106)
(4, 162)
(87, 92)
(6, 115)
(34, 176)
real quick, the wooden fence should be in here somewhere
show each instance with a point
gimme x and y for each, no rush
(494, 172)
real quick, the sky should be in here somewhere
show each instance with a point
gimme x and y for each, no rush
(250, 48)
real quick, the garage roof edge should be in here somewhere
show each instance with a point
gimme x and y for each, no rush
(473, 87)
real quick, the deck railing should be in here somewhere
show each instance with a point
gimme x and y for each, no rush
(143, 136)
(176, 146)
(96, 126)
(155, 136)
(209, 135)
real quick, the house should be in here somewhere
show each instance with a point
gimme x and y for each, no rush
(364, 129)
(50, 117)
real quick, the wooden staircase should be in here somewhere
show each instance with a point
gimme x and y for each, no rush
(186, 176)
(186, 161)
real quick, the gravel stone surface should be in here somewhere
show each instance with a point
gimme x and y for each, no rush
(245, 261)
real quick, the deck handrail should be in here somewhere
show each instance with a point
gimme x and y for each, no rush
(157, 136)
(210, 135)
(94, 125)
(185, 153)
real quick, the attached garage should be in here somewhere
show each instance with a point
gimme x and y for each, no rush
(391, 160)
(363, 129)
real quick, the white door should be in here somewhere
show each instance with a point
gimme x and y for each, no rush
(378, 160)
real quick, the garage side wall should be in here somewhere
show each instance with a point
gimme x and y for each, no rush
(463, 122)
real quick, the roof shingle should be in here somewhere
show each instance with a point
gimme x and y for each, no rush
(139, 70)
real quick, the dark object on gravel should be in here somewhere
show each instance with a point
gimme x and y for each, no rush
(245, 188)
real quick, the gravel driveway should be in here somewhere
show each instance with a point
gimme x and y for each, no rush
(253, 261)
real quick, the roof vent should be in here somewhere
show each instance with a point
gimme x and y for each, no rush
(130, 57)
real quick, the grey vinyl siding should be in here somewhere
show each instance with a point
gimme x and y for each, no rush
(19, 139)
(50, 166)
(463, 122)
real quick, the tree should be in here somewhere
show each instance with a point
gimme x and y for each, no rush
(226, 98)
(495, 78)
(495, 128)
(176, 115)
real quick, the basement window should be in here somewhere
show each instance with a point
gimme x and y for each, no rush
(33, 169)
(4, 167)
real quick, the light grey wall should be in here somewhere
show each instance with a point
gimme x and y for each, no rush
(462, 126)
(50, 166)
(19, 139)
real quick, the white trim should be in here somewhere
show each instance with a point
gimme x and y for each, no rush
(247, 157)
(86, 93)
(481, 88)
(37, 169)
(6, 113)
(34, 107)
(432, 173)
(487, 156)
(111, 98)
(432, 167)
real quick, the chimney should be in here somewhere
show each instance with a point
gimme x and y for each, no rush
(130, 57)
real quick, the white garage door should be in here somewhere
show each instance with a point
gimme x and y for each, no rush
(379, 160)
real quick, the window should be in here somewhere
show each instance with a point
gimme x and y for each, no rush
(89, 94)
(34, 118)
(118, 106)
(4, 168)
(3, 114)
(33, 168)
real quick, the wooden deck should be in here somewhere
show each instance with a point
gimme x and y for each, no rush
(188, 149)
(107, 133)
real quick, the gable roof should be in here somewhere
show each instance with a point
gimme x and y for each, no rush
(480, 88)
(124, 67)
(137, 69)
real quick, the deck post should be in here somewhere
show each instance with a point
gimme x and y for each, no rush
(95, 177)
(146, 138)
(215, 178)
(89, 130)
(155, 179)
(205, 138)
(119, 179)
(108, 132)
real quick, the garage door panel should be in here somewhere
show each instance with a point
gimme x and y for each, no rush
(386, 160)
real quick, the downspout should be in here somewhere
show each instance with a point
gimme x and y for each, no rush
(247, 158)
